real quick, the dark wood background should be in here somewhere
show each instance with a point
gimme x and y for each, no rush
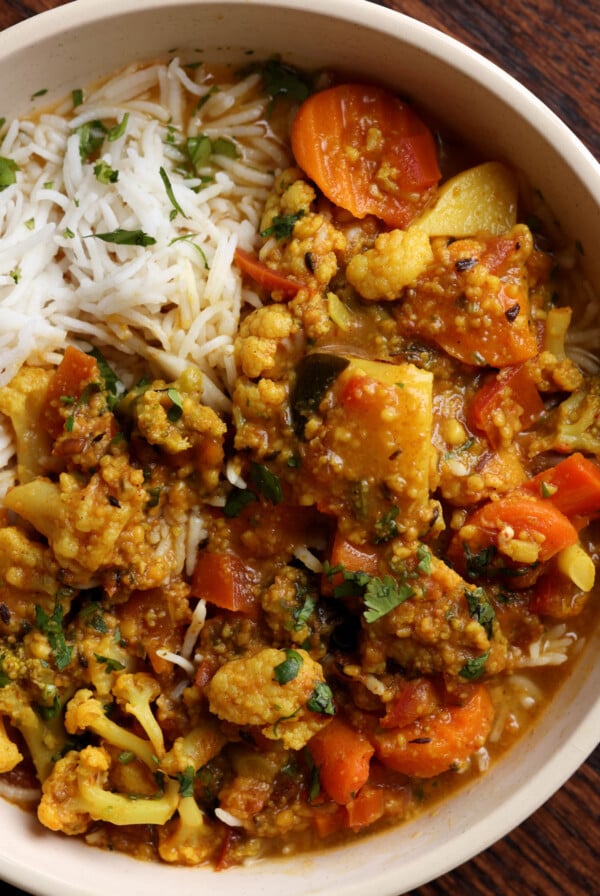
(553, 48)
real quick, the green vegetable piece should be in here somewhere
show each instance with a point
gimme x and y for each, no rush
(481, 609)
(176, 410)
(289, 668)
(77, 96)
(8, 169)
(224, 147)
(186, 781)
(111, 664)
(198, 150)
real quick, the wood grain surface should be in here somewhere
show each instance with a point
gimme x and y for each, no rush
(553, 48)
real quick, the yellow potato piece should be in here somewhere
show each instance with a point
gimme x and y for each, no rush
(480, 199)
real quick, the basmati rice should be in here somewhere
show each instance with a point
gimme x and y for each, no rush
(167, 305)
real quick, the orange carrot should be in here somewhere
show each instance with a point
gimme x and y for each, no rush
(573, 486)
(511, 387)
(222, 580)
(69, 380)
(529, 518)
(266, 277)
(433, 744)
(367, 151)
(342, 756)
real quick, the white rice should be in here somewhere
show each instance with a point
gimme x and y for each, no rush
(172, 304)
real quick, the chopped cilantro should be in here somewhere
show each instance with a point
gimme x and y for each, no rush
(282, 80)
(110, 381)
(267, 484)
(77, 96)
(474, 668)
(125, 237)
(383, 595)
(111, 664)
(186, 781)
(189, 237)
(177, 209)
(237, 499)
(105, 174)
(8, 169)
(91, 137)
(119, 129)
(176, 410)
(289, 668)
(52, 627)
(282, 226)
(302, 614)
(4, 678)
(224, 147)
(385, 526)
(42, 92)
(126, 757)
(481, 609)
(321, 700)
(424, 559)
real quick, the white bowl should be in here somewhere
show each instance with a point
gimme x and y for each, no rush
(66, 49)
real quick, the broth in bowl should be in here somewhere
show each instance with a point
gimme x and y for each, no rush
(298, 532)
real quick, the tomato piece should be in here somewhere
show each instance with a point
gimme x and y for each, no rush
(265, 276)
(416, 699)
(512, 390)
(367, 151)
(224, 581)
(572, 486)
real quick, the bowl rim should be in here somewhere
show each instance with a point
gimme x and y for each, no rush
(584, 736)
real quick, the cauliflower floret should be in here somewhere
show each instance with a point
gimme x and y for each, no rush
(44, 739)
(259, 691)
(84, 711)
(23, 400)
(74, 795)
(290, 196)
(264, 337)
(135, 693)
(194, 749)
(396, 260)
(188, 839)
(574, 425)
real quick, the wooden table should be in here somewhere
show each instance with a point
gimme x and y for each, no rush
(553, 48)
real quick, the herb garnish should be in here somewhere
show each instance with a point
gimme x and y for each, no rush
(8, 169)
(383, 595)
(51, 626)
(125, 237)
(282, 80)
(119, 129)
(186, 781)
(111, 664)
(77, 96)
(189, 237)
(175, 412)
(267, 483)
(91, 137)
(105, 174)
(481, 609)
(282, 226)
(321, 700)
(474, 668)
(289, 668)
(177, 209)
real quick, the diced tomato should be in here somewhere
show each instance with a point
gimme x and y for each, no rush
(224, 581)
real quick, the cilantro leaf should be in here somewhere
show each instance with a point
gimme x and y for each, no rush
(119, 129)
(176, 410)
(111, 664)
(266, 482)
(302, 614)
(171, 195)
(321, 700)
(474, 668)
(282, 226)
(105, 174)
(111, 382)
(51, 626)
(289, 668)
(91, 137)
(186, 781)
(383, 595)
(8, 169)
(126, 237)
(284, 80)
(237, 499)
(385, 526)
(481, 609)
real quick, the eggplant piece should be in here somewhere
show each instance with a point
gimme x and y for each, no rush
(315, 375)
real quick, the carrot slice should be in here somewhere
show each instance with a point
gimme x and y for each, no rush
(572, 486)
(367, 151)
(516, 516)
(266, 277)
(342, 756)
(433, 744)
